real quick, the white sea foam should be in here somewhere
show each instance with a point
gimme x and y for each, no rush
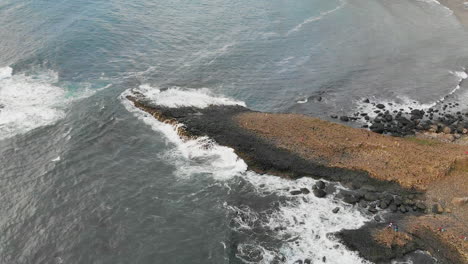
(303, 221)
(27, 102)
(177, 97)
(302, 101)
(200, 155)
(401, 102)
(316, 18)
(31, 101)
(306, 218)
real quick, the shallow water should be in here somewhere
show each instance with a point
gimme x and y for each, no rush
(86, 178)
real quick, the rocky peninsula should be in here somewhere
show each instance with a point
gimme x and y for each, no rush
(418, 181)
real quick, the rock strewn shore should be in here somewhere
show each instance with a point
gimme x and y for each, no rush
(297, 146)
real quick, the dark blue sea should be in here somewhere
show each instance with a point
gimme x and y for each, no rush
(87, 178)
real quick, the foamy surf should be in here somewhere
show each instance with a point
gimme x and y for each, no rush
(30, 101)
(303, 223)
(199, 155)
(179, 97)
(401, 103)
(305, 218)
(461, 76)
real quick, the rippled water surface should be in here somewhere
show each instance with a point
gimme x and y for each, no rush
(87, 178)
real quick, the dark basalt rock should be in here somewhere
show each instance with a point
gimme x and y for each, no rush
(320, 185)
(383, 204)
(344, 118)
(362, 240)
(295, 192)
(398, 200)
(351, 199)
(421, 206)
(380, 106)
(319, 193)
(363, 204)
(369, 196)
(377, 128)
(305, 191)
(336, 210)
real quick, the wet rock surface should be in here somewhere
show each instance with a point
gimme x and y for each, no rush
(404, 122)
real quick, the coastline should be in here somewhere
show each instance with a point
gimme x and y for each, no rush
(277, 144)
(458, 9)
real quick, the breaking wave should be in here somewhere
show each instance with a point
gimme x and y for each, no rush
(28, 102)
(179, 97)
(31, 101)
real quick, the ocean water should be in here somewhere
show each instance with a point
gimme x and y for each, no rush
(87, 178)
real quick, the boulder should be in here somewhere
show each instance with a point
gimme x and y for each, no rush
(377, 218)
(344, 118)
(447, 130)
(319, 193)
(305, 191)
(437, 208)
(421, 206)
(351, 199)
(383, 204)
(380, 106)
(402, 209)
(398, 200)
(336, 210)
(369, 196)
(377, 128)
(363, 204)
(320, 185)
(295, 192)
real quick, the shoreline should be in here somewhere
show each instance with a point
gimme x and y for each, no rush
(458, 9)
(257, 138)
